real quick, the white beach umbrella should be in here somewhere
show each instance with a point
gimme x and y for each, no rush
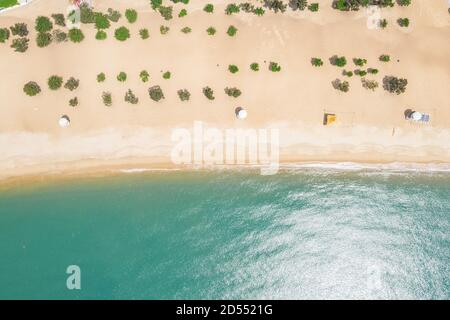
(417, 116)
(64, 121)
(241, 113)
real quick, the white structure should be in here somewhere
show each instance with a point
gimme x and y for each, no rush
(416, 116)
(64, 121)
(241, 113)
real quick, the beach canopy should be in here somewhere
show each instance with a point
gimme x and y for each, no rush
(64, 121)
(417, 116)
(241, 113)
(329, 118)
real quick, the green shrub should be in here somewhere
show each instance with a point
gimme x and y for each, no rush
(107, 99)
(166, 75)
(246, 7)
(131, 15)
(144, 33)
(20, 44)
(209, 93)
(383, 23)
(275, 5)
(122, 77)
(76, 35)
(156, 4)
(274, 67)
(347, 73)
(403, 2)
(259, 11)
(338, 61)
(55, 82)
(73, 102)
(43, 24)
(211, 31)
(87, 15)
(101, 77)
(43, 39)
(233, 68)
(102, 21)
(360, 73)
(31, 88)
(122, 34)
(101, 35)
(144, 75)
(385, 58)
(372, 71)
(59, 19)
(130, 97)
(72, 84)
(184, 95)
(59, 36)
(403, 22)
(359, 62)
(156, 93)
(4, 34)
(233, 92)
(316, 62)
(182, 13)
(343, 86)
(369, 84)
(298, 4)
(394, 84)
(254, 66)
(166, 12)
(313, 7)
(113, 15)
(186, 30)
(19, 29)
(209, 8)
(164, 29)
(232, 30)
(232, 8)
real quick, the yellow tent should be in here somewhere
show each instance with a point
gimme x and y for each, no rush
(329, 118)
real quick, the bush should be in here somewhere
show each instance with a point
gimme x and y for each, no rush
(131, 15)
(343, 86)
(403, 22)
(73, 102)
(87, 15)
(259, 11)
(298, 4)
(113, 15)
(144, 75)
(59, 36)
(313, 7)
(209, 93)
(101, 35)
(55, 82)
(383, 23)
(338, 61)
(102, 21)
(107, 99)
(274, 67)
(166, 75)
(156, 4)
(166, 12)
(403, 2)
(247, 7)
(183, 13)
(233, 68)
(394, 84)
(20, 44)
(184, 95)
(385, 58)
(130, 97)
(372, 71)
(101, 77)
(209, 8)
(232, 8)
(43, 24)
(4, 34)
(43, 39)
(347, 73)
(233, 92)
(72, 84)
(59, 19)
(232, 30)
(359, 62)
(122, 77)
(275, 5)
(360, 73)
(164, 29)
(122, 34)
(316, 62)
(19, 29)
(144, 33)
(186, 30)
(156, 93)
(211, 31)
(369, 84)
(31, 88)
(254, 66)
(76, 35)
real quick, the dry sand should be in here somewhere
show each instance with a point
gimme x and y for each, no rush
(370, 128)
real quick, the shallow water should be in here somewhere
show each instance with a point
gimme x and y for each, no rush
(304, 233)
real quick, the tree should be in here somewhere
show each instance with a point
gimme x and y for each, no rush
(113, 15)
(209, 8)
(156, 4)
(209, 93)
(338, 61)
(211, 31)
(372, 71)
(20, 44)
(59, 36)
(360, 73)
(31, 88)
(101, 77)
(55, 82)
(394, 84)
(59, 19)
(87, 15)
(166, 12)
(130, 97)
(403, 2)
(359, 62)
(274, 67)
(383, 23)
(164, 29)
(131, 15)
(184, 95)
(43, 24)
(122, 34)
(343, 86)
(259, 11)
(19, 29)
(156, 93)
(313, 7)
(183, 13)
(347, 73)
(72, 84)
(369, 84)
(166, 75)
(144, 75)
(144, 33)
(4, 34)
(298, 4)
(232, 30)
(385, 58)
(275, 5)
(76, 35)
(231, 8)
(107, 99)
(247, 7)
(233, 92)
(254, 66)
(316, 62)
(233, 68)
(102, 21)
(43, 39)
(186, 30)
(403, 22)
(122, 77)
(73, 102)
(101, 35)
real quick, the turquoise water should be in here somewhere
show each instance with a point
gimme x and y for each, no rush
(195, 235)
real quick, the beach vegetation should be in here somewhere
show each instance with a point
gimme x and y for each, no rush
(131, 15)
(101, 77)
(144, 33)
(4, 34)
(338, 61)
(59, 19)
(247, 7)
(233, 68)
(20, 44)
(298, 4)
(369, 84)
(233, 92)
(231, 8)
(166, 12)
(209, 93)
(43, 39)
(101, 35)
(122, 34)
(31, 88)
(155, 4)
(156, 93)
(316, 62)
(73, 102)
(232, 30)
(166, 75)
(55, 82)
(359, 62)
(144, 75)
(72, 84)
(385, 58)
(343, 86)
(360, 73)
(102, 21)
(184, 94)
(259, 11)
(394, 84)
(59, 36)
(254, 66)
(76, 35)
(354, 5)
(275, 5)
(43, 24)
(19, 29)
(87, 15)
(403, 22)
(113, 15)
(211, 31)
(130, 97)
(313, 7)
(122, 77)
(347, 73)
(372, 71)
(209, 8)
(107, 99)
(274, 67)
(186, 30)
(383, 23)
(403, 2)
(164, 30)
(183, 13)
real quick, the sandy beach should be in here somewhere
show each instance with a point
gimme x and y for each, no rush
(371, 126)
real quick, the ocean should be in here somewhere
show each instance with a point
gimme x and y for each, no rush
(305, 233)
